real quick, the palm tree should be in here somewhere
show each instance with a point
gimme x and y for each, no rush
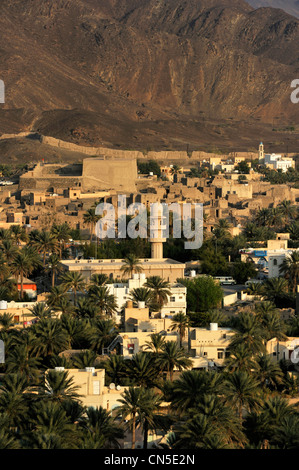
(74, 329)
(249, 333)
(130, 406)
(62, 235)
(199, 432)
(239, 359)
(288, 211)
(22, 266)
(51, 427)
(180, 323)
(221, 230)
(54, 266)
(131, 265)
(262, 217)
(114, 368)
(100, 296)
(98, 422)
(13, 400)
(286, 435)
(275, 288)
(90, 218)
(6, 321)
(268, 372)
(56, 293)
(160, 290)
(22, 361)
(142, 369)
(173, 357)
(65, 306)
(156, 344)
(149, 417)
(273, 326)
(99, 279)
(275, 217)
(41, 310)
(59, 387)
(87, 309)
(187, 391)
(73, 281)
(241, 391)
(256, 289)
(102, 334)
(50, 337)
(290, 268)
(225, 421)
(45, 242)
(19, 234)
(141, 294)
(9, 250)
(85, 359)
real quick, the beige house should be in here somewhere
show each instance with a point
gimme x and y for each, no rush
(135, 342)
(210, 344)
(91, 383)
(167, 269)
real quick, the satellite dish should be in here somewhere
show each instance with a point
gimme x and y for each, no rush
(112, 386)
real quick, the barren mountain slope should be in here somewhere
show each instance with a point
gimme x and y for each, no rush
(107, 71)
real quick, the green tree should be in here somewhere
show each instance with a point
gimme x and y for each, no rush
(203, 293)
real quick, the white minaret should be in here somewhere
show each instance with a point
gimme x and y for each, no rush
(157, 226)
(261, 152)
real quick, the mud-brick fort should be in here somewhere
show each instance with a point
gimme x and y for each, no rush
(103, 172)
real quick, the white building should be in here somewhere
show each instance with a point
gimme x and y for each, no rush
(268, 260)
(176, 300)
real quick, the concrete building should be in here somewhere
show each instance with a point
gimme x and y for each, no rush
(91, 387)
(279, 350)
(210, 344)
(176, 300)
(275, 161)
(168, 269)
(136, 341)
(268, 260)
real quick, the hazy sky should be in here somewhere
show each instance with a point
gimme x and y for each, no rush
(291, 6)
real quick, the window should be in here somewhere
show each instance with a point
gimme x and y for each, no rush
(275, 262)
(172, 299)
(220, 353)
(205, 353)
(131, 348)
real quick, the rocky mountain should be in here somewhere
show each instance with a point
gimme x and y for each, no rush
(290, 6)
(147, 72)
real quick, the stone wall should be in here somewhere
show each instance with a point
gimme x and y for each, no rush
(117, 174)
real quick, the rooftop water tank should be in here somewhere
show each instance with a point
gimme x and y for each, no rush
(192, 273)
(135, 276)
(3, 304)
(141, 304)
(213, 326)
(142, 276)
